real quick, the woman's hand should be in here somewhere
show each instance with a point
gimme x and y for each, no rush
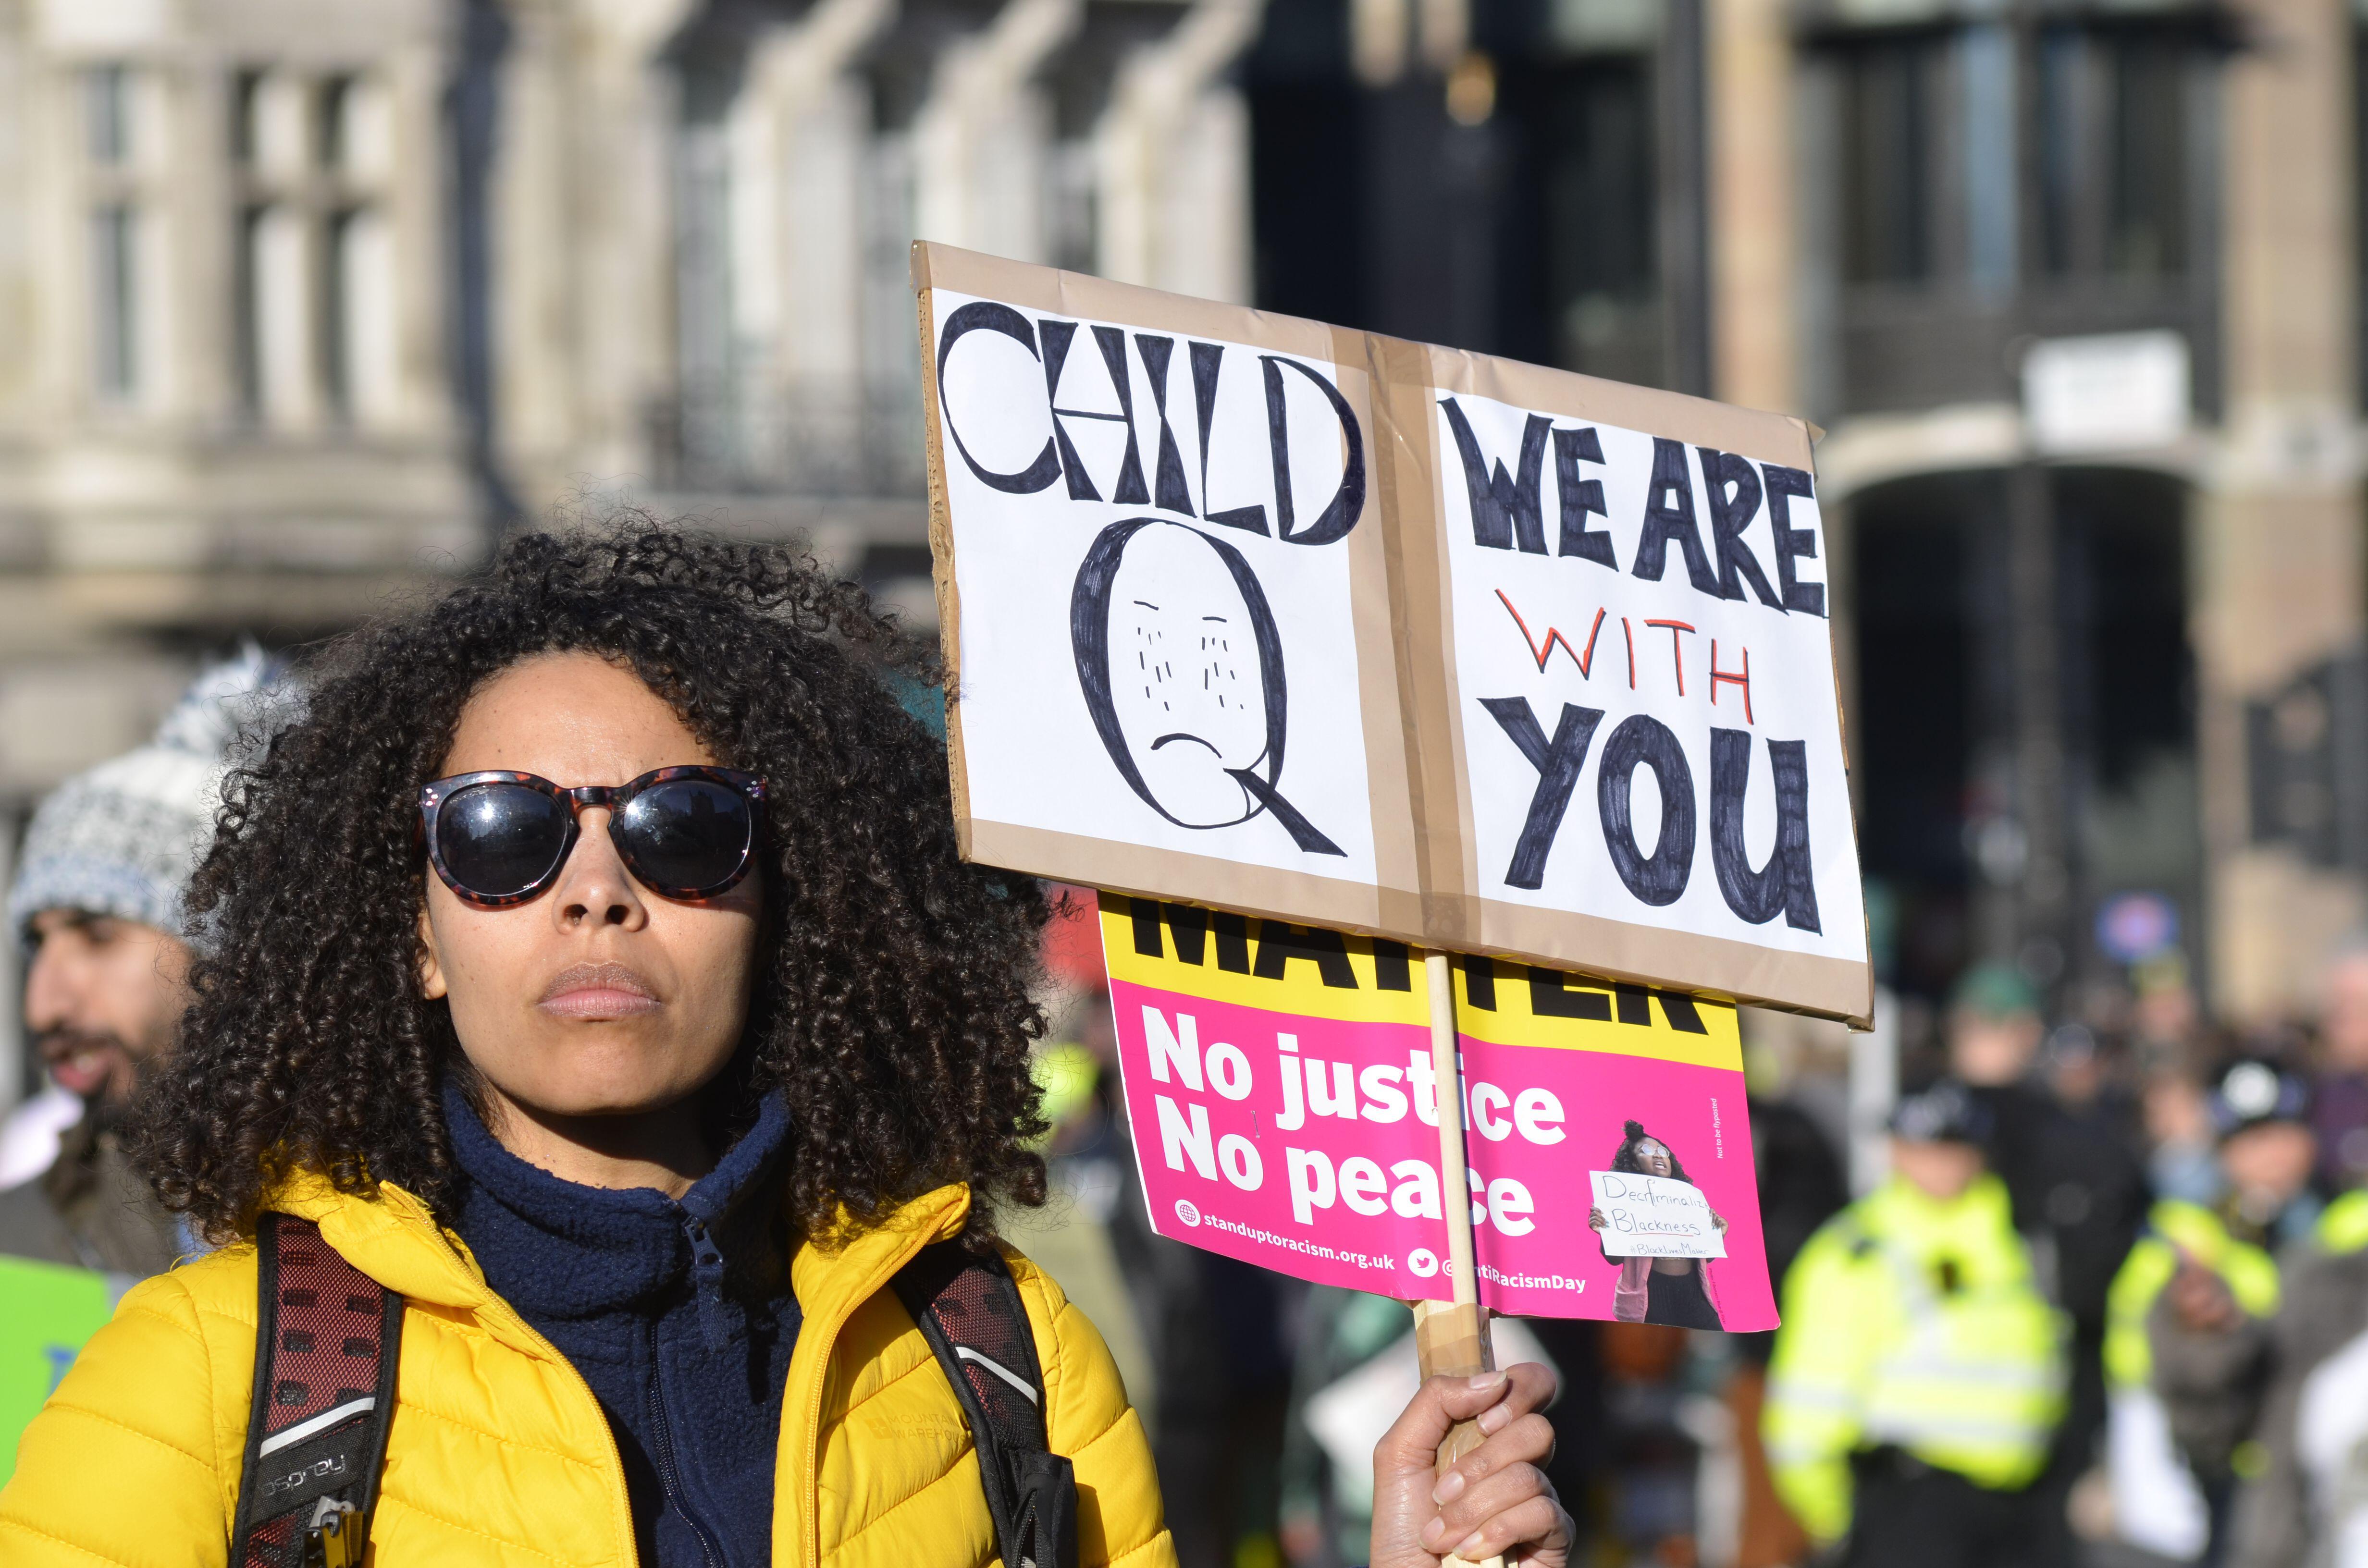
(1718, 1220)
(1489, 1502)
(1595, 1218)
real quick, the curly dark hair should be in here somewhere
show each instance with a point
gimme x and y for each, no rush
(1625, 1159)
(892, 1007)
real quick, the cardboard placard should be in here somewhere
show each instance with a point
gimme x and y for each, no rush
(1280, 1092)
(1290, 620)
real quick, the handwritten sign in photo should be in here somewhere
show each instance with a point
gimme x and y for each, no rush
(1386, 638)
(1650, 1216)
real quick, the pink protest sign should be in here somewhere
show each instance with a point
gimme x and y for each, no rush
(1298, 1150)
(1557, 1265)
(1281, 1097)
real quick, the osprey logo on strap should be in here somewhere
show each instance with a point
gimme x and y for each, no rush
(326, 1341)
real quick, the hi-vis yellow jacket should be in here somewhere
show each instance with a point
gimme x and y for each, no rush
(498, 1454)
(1914, 1322)
(2344, 1227)
(2176, 1227)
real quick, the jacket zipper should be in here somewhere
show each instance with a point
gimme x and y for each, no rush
(669, 1481)
(619, 1502)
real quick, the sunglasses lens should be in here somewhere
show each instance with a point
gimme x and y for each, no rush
(688, 835)
(497, 840)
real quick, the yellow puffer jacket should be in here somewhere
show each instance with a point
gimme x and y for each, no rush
(498, 1453)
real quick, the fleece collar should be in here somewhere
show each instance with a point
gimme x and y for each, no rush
(390, 1236)
(556, 1249)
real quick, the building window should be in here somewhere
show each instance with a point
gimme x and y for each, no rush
(1596, 147)
(1071, 212)
(1890, 90)
(313, 272)
(330, 134)
(115, 299)
(245, 97)
(337, 317)
(357, 308)
(2150, 158)
(108, 138)
(106, 101)
(247, 309)
(2113, 152)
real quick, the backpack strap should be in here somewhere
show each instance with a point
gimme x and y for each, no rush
(326, 1339)
(969, 1310)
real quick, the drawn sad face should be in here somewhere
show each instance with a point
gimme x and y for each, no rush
(1180, 663)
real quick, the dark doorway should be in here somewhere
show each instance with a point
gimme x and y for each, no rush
(1931, 732)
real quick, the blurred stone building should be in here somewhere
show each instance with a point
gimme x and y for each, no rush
(302, 298)
(304, 301)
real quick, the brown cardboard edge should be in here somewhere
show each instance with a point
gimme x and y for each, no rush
(1771, 437)
(1800, 982)
(1145, 871)
(1407, 489)
(1863, 1019)
(1459, 759)
(1397, 850)
(941, 556)
(1714, 966)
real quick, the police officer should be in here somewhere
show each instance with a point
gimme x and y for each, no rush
(2077, 1193)
(2187, 1352)
(1919, 1377)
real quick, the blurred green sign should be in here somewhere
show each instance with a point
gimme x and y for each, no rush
(47, 1311)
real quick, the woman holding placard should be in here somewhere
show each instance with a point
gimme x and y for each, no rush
(603, 1072)
(1672, 1290)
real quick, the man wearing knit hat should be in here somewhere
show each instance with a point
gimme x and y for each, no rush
(97, 901)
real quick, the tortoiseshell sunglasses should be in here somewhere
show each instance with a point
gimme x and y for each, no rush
(499, 838)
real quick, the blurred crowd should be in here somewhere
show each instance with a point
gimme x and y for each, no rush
(2072, 1282)
(2095, 1291)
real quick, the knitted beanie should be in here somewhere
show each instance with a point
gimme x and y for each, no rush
(125, 838)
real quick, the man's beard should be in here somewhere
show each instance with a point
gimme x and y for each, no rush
(113, 1099)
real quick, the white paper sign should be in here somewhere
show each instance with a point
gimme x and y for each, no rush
(2113, 392)
(1647, 1216)
(1154, 548)
(1316, 626)
(1643, 655)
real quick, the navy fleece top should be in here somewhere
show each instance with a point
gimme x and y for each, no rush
(678, 1313)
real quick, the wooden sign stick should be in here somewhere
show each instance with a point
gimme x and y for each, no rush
(1452, 1337)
